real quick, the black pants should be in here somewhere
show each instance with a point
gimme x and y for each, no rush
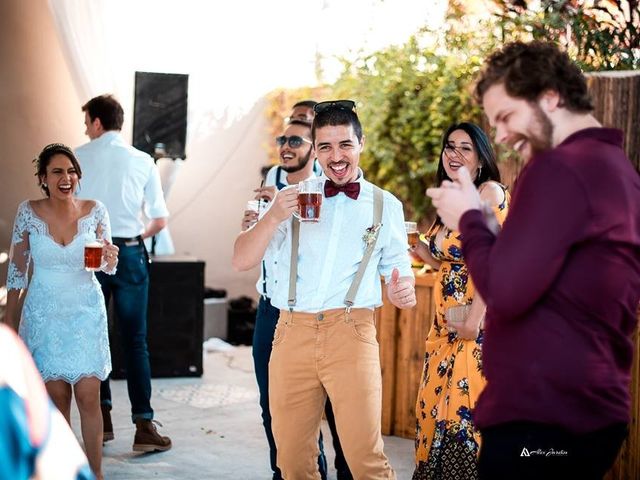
(527, 450)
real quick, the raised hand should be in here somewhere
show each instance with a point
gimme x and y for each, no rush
(401, 291)
(249, 219)
(284, 204)
(453, 199)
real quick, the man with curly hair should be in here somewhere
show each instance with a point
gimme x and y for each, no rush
(561, 280)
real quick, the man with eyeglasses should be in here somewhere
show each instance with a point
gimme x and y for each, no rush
(276, 177)
(297, 160)
(327, 286)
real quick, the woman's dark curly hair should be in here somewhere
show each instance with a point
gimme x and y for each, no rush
(45, 156)
(529, 69)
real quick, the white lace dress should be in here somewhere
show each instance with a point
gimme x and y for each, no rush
(64, 320)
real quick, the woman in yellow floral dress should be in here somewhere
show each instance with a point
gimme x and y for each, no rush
(447, 443)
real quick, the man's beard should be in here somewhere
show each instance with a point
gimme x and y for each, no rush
(301, 164)
(542, 138)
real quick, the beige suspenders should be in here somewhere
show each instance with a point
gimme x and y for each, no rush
(378, 207)
(293, 267)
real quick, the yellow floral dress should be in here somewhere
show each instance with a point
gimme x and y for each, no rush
(447, 443)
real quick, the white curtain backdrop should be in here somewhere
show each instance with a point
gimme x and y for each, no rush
(234, 53)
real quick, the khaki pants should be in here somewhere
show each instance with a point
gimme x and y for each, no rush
(330, 353)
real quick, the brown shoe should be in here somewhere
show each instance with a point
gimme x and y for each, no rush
(148, 439)
(107, 426)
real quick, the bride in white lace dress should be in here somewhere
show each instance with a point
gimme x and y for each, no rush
(57, 306)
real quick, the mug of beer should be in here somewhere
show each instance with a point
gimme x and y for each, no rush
(93, 255)
(413, 235)
(310, 199)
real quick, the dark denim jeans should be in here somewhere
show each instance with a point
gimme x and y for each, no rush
(266, 320)
(129, 288)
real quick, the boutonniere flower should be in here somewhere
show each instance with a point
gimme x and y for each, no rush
(370, 234)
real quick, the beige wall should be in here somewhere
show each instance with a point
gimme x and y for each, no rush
(39, 105)
(209, 196)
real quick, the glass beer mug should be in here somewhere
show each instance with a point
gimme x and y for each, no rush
(412, 234)
(93, 255)
(310, 200)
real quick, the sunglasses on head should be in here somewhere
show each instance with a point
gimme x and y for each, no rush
(294, 141)
(337, 104)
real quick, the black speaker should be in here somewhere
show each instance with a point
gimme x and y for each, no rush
(160, 113)
(174, 320)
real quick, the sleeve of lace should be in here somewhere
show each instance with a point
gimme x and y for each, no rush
(19, 253)
(103, 225)
(103, 230)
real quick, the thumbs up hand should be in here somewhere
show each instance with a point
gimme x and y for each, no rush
(453, 199)
(395, 275)
(400, 290)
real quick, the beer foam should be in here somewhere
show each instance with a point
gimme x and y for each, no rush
(93, 244)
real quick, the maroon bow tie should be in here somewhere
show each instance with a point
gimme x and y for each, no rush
(351, 190)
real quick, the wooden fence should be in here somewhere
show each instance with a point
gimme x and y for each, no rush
(616, 98)
(401, 334)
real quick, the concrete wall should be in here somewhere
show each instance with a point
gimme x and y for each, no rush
(39, 105)
(37, 99)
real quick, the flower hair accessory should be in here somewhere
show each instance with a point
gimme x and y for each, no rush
(370, 234)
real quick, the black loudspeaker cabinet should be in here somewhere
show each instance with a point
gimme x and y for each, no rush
(160, 113)
(174, 319)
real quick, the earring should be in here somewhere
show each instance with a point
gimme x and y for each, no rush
(45, 185)
(479, 171)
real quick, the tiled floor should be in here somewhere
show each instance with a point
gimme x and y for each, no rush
(215, 425)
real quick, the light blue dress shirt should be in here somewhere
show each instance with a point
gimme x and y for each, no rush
(265, 283)
(125, 179)
(331, 250)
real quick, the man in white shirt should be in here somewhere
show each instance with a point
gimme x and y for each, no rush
(127, 181)
(297, 163)
(327, 290)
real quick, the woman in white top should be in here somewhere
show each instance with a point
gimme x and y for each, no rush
(57, 306)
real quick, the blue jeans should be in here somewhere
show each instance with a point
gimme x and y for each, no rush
(266, 320)
(129, 288)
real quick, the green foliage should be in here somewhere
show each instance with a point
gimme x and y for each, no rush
(407, 96)
(597, 34)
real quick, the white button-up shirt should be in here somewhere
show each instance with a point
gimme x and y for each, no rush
(123, 178)
(331, 250)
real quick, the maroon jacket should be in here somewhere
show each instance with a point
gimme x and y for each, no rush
(562, 284)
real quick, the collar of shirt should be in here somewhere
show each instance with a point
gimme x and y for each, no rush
(613, 136)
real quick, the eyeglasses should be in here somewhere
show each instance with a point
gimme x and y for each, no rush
(294, 141)
(338, 104)
(462, 151)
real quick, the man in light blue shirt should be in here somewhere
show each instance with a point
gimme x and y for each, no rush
(327, 285)
(127, 181)
(297, 163)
